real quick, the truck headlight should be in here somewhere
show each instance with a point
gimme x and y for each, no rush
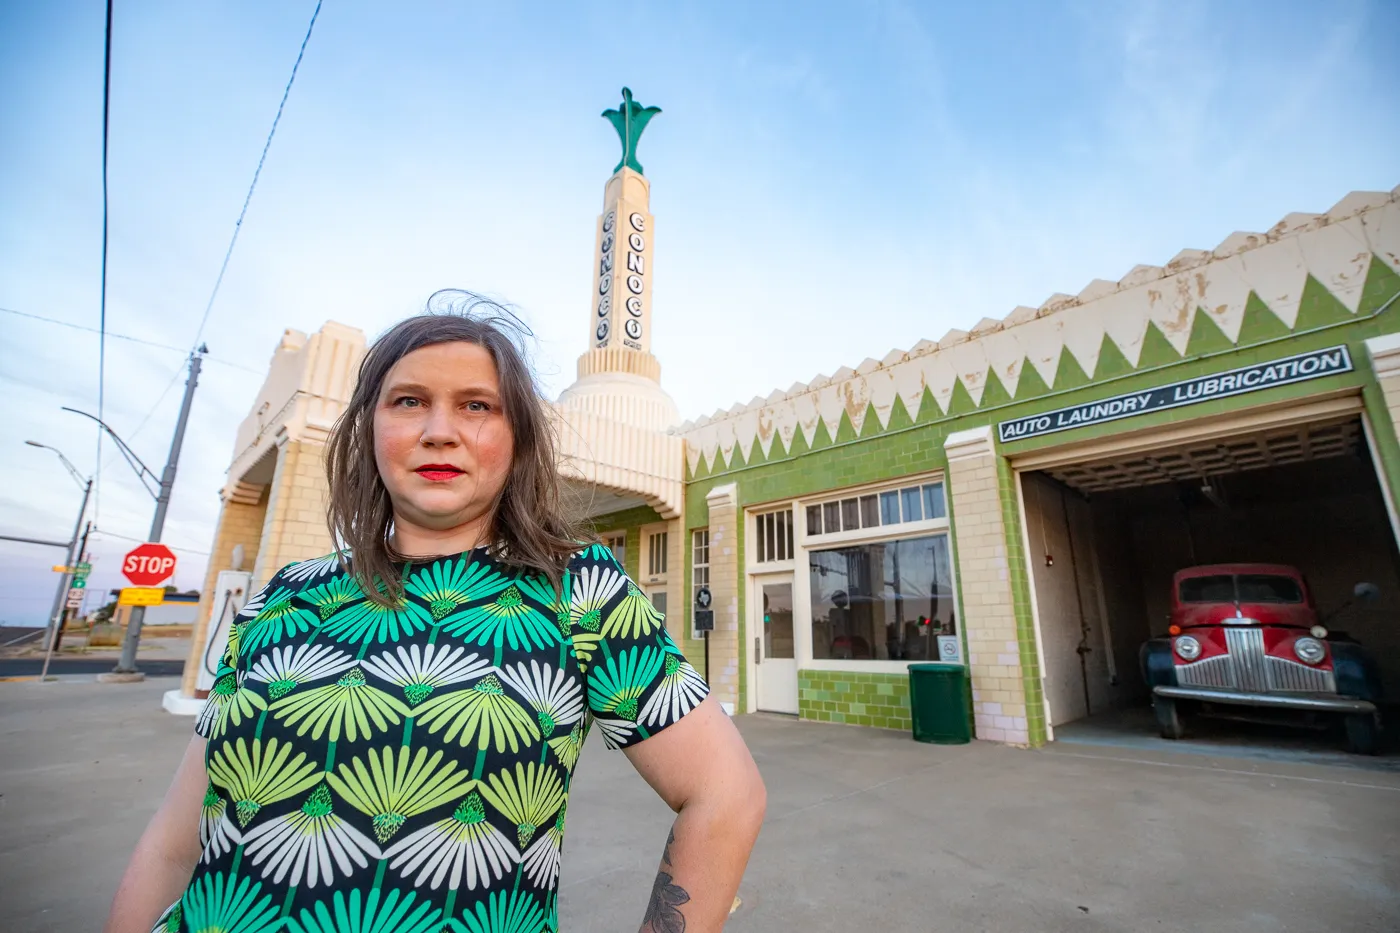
(1309, 650)
(1187, 647)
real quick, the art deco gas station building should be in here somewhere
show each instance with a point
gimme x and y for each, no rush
(1013, 497)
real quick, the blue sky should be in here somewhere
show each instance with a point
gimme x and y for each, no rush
(828, 185)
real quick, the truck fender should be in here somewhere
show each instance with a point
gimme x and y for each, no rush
(1356, 672)
(1155, 659)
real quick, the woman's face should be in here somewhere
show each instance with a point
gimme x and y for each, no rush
(442, 441)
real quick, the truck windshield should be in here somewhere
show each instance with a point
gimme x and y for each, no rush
(1244, 588)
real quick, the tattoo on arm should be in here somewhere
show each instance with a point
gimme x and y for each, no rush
(663, 910)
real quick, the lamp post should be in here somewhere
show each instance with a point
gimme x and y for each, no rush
(126, 666)
(64, 578)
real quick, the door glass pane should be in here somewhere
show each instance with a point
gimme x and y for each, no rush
(777, 620)
(886, 601)
(658, 599)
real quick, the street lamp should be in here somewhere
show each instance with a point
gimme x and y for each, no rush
(65, 578)
(126, 666)
(72, 470)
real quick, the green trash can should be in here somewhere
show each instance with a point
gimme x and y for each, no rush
(940, 701)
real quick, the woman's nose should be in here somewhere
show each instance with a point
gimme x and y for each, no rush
(437, 430)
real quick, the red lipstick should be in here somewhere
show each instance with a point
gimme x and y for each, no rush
(438, 472)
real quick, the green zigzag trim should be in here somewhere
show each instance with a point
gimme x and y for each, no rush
(1069, 374)
(994, 391)
(899, 415)
(736, 458)
(756, 454)
(960, 402)
(1317, 307)
(870, 424)
(1382, 284)
(929, 409)
(1111, 362)
(1157, 350)
(845, 430)
(1206, 336)
(799, 443)
(1031, 382)
(1260, 323)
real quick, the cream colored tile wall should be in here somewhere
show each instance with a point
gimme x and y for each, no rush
(726, 575)
(238, 524)
(989, 620)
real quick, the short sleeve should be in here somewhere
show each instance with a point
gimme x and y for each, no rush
(229, 675)
(638, 682)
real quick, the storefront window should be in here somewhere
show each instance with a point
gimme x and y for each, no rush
(882, 602)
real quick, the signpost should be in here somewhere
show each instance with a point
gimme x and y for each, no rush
(705, 622)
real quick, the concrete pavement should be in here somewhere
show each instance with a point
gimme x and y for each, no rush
(866, 830)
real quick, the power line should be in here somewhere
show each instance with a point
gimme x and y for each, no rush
(257, 172)
(174, 547)
(140, 340)
(102, 312)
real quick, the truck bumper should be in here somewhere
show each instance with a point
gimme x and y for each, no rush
(1316, 702)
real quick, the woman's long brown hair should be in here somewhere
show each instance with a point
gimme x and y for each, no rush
(530, 527)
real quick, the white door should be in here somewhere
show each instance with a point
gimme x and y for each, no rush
(657, 595)
(774, 655)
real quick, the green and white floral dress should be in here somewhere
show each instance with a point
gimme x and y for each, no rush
(407, 769)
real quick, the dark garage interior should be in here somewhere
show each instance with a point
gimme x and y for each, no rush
(1104, 538)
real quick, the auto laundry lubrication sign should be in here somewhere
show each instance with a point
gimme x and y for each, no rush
(1282, 372)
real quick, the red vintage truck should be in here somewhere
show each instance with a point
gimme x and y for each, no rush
(1245, 640)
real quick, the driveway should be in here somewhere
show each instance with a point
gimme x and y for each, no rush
(866, 830)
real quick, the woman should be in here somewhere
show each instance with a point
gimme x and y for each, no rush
(391, 739)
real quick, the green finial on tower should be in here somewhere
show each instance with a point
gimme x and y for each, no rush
(629, 123)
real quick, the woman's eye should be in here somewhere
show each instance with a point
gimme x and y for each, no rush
(408, 401)
(478, 407)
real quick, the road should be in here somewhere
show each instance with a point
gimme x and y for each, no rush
(866, 830)
(30, 667)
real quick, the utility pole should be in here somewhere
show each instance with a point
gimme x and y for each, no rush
(127, 664)
(125, 670)
(56, 614)
(63, 619)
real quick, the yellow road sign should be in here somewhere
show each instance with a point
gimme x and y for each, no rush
(142, 596)
(59, 568)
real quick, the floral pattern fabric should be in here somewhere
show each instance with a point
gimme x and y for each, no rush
(406, 769)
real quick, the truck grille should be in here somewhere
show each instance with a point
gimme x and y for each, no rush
(1246, 647)
(1247, 667)
(1290, 675)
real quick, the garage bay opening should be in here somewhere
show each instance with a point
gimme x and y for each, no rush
(1111, 540)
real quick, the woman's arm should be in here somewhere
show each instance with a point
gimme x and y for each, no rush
(701, 767)
(167, 852)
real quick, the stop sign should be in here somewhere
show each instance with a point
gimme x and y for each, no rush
(148, 565)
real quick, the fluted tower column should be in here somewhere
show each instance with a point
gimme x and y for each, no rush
(618, 377)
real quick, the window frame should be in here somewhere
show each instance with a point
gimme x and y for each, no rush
(876, 666)
(782, 542)
(657, 565)
(834, 499)
(799, 565)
